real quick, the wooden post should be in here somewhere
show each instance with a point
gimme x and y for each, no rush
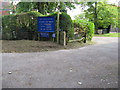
(58, 27)
(63, 38)
(38, 36)
(85, 37)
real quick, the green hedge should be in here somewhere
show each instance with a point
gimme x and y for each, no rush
(8, 25)
(24, 25)
(20, 26)
(83, 26)
(66, 24)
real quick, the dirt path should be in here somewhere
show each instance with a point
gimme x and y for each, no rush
(22, 46)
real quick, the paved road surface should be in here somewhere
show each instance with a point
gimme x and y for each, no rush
(94, 66)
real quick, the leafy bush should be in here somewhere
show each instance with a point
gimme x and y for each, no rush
(90, 31)
(84, 26)
(67, 25)
(20, 26)
(8, 25)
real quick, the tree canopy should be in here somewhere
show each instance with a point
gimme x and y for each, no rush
(101, 14)
(44, 7)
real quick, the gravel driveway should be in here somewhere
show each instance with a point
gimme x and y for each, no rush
(94, 66)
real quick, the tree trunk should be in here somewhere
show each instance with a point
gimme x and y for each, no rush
(38, 6)
(41, 6)
(95, 18)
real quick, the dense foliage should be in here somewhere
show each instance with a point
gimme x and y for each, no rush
(44, 7)
(101, 14)
(82, 26)
(20, 26)
(67, 25)
(24, 25)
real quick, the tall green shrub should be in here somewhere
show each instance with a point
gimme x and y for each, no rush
(15, 26)
(67, 25)
(90, 31)
(8, 26)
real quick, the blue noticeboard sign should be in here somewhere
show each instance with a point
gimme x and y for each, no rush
(44, 34)
(46, 24)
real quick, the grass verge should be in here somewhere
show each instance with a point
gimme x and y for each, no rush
(108, 35)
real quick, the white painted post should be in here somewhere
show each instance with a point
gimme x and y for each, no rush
(64, 41)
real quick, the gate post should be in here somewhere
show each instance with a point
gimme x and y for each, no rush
(63, 40)
(58, 15)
